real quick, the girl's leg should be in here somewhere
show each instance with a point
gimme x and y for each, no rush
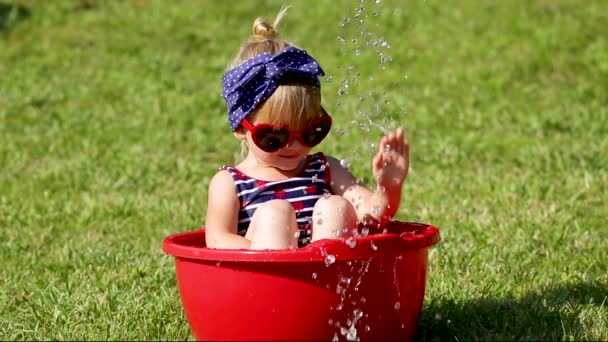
(273, 226)
(333, 217)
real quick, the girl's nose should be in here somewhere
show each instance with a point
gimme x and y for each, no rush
(295, 142)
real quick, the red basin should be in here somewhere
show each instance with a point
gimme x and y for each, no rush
(373, 290)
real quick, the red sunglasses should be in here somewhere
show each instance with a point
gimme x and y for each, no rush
(270, 138)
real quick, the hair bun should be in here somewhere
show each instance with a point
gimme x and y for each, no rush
(263, 29)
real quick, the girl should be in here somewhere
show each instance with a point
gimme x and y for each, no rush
(281, 196)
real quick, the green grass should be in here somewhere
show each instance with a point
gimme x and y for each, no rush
(111, 126)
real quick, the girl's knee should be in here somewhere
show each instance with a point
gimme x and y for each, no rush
(333, 217)
(274, 209)
(334, 204)
(273, 226)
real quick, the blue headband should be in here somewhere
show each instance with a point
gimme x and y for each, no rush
(254, 81)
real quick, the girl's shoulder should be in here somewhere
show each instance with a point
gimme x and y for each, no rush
(221, 180)
(232, 172)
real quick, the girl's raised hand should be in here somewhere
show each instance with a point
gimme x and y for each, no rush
(391, 163)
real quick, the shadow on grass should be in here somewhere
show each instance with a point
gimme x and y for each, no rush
(551, 314)
(11, 14)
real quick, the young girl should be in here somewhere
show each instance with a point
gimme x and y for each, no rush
(281, 196)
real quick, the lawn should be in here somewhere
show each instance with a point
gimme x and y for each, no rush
(112, 124)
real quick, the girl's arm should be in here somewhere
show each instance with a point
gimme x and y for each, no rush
(390, 169)
(222, 214)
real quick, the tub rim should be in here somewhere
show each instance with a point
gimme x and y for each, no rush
(401, 237)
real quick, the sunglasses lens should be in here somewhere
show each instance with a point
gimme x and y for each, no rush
(271, 140)
(314, 134)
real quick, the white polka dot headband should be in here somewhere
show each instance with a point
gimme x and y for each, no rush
(254, 81)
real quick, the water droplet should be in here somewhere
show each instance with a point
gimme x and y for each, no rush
(345, 163)
(314, 275)
(351, 242)
(341, 131)
(345, 280)
(329, 259)
(397, 306)
(357, 52)
(314, 178)
(358, 313)
(375, 13)
(354, 40)
(319, 221)
(387, 148)
(352, 334)
(322, 167)
(378, 1)
(373, 245)
(362, 299)
(341, 40)
(329, 79)
(336, 338)
(339, 306)
(367, 328)
(375, 210)
(326, 195)
(296, 234)
(341, 92)
(364, 231)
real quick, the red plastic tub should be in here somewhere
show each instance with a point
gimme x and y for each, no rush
(369, 288)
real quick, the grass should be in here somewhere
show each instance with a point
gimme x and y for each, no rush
(111, 126)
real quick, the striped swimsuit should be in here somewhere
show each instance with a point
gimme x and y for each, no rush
(302, 191)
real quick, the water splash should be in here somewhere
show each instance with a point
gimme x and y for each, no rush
(362, 45)
(351, 242)
(345, 163)
(372, 244)
(351, 334)
(330, 259)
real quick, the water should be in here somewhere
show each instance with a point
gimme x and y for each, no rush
(330, 259)
(367, 81)
(345, 163)
(369, 89)
(372, 244)
(351, 242)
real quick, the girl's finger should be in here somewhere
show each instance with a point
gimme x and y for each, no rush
(390, 141)
(382, 145)
(399, 141)
(378, 160)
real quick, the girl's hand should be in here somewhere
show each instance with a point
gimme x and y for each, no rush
(391, 164)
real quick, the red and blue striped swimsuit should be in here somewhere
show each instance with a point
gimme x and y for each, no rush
(302, 191)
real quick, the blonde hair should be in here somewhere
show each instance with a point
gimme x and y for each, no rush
(291, 105)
